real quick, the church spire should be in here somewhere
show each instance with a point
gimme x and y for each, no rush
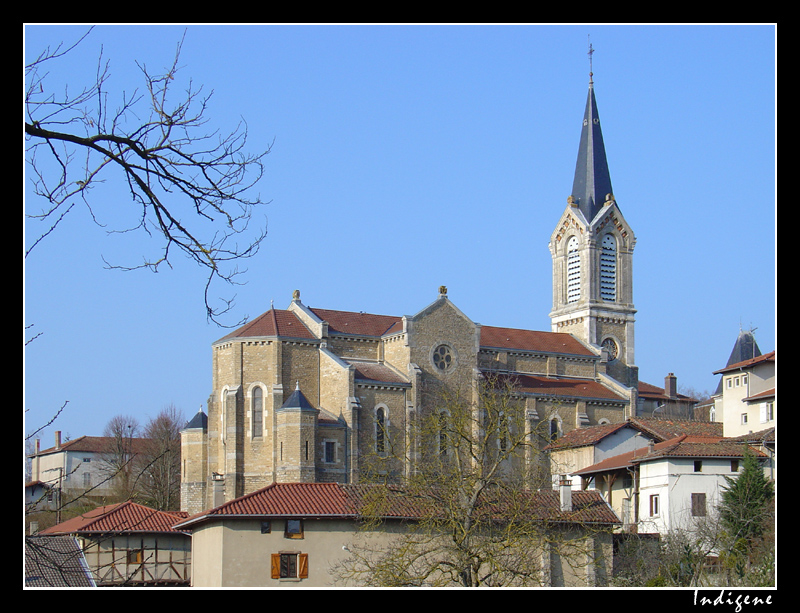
(592, 181)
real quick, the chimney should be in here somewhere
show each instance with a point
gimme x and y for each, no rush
(565, 493)
(58, 439)
(671, 386)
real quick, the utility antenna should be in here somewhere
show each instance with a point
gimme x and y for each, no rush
(591, 51)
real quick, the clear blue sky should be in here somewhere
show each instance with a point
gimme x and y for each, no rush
(409, 157)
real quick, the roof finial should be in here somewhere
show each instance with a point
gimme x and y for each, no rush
(591, 51)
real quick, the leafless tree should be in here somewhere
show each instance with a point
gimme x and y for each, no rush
(159, 462)
(193, 187)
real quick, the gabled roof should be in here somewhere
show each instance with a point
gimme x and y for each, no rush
(94, 444)
(55, 561)
(588, 436)
(124, 517)
(336, 500)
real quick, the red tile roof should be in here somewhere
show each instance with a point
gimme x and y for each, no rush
(681, 446)
(361, 324)
(95, 444)
(561, 386)
(590, 435)
(533, 340)
(663, 429)
(767, 357)
(122, 517)
(335, 500)
(272, 323)
(375, 371)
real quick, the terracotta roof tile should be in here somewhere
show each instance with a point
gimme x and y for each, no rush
(664, 429)
(533, 340)
(361, 324)
(94, 444)
(562, 386)
(272, 323)
(375, 371)
(122, 517)
(344, 500)
(767, 357)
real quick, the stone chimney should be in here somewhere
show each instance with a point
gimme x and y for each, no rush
(58, 439)
(565, 493)
(671, 386)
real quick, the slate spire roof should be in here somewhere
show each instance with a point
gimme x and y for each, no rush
(592, 180)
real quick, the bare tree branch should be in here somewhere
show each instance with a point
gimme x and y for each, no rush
(192, 187)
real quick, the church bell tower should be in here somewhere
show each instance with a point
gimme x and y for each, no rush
(592, 252)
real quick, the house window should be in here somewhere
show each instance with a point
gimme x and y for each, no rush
(258, 412)
(135, 556)
(734, 466)
(573, 270)
(608, 269)
(290, 565)
(294, 529)
(767, 412)
(744, 419)
(698, 505)
(553, 430)
(654, 505)
(87, 479)
(330, 452)
(698, 466)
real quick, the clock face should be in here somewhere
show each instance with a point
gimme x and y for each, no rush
(611, 347)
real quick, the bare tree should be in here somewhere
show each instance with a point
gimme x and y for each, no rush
(192, 187)
(118, 457)
(158, 464)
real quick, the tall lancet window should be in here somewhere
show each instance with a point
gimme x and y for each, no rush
(608, 269)
(258, 412)
(573, 270)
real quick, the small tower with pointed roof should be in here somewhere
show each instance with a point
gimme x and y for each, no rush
(592, 253)
(296, 426)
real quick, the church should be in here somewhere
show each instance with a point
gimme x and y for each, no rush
(303, 394)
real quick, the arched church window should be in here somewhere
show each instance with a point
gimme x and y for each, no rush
(380, 430)
(258, 412)
(608, 269)
(553, 429)
(573, 270)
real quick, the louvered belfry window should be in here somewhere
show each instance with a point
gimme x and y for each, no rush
(608, 269)
(573, 270)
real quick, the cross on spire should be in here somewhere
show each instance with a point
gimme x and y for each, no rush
(591, 51)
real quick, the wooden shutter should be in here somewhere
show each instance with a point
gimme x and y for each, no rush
(276, 566)
(302, 566)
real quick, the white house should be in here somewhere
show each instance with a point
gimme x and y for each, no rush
(746, 399)
(672, 485)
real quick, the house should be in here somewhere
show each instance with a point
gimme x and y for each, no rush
(79, 468)
(55, 561)
(670, 485)
(295, 535)
(747, 399)
(130, 544)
